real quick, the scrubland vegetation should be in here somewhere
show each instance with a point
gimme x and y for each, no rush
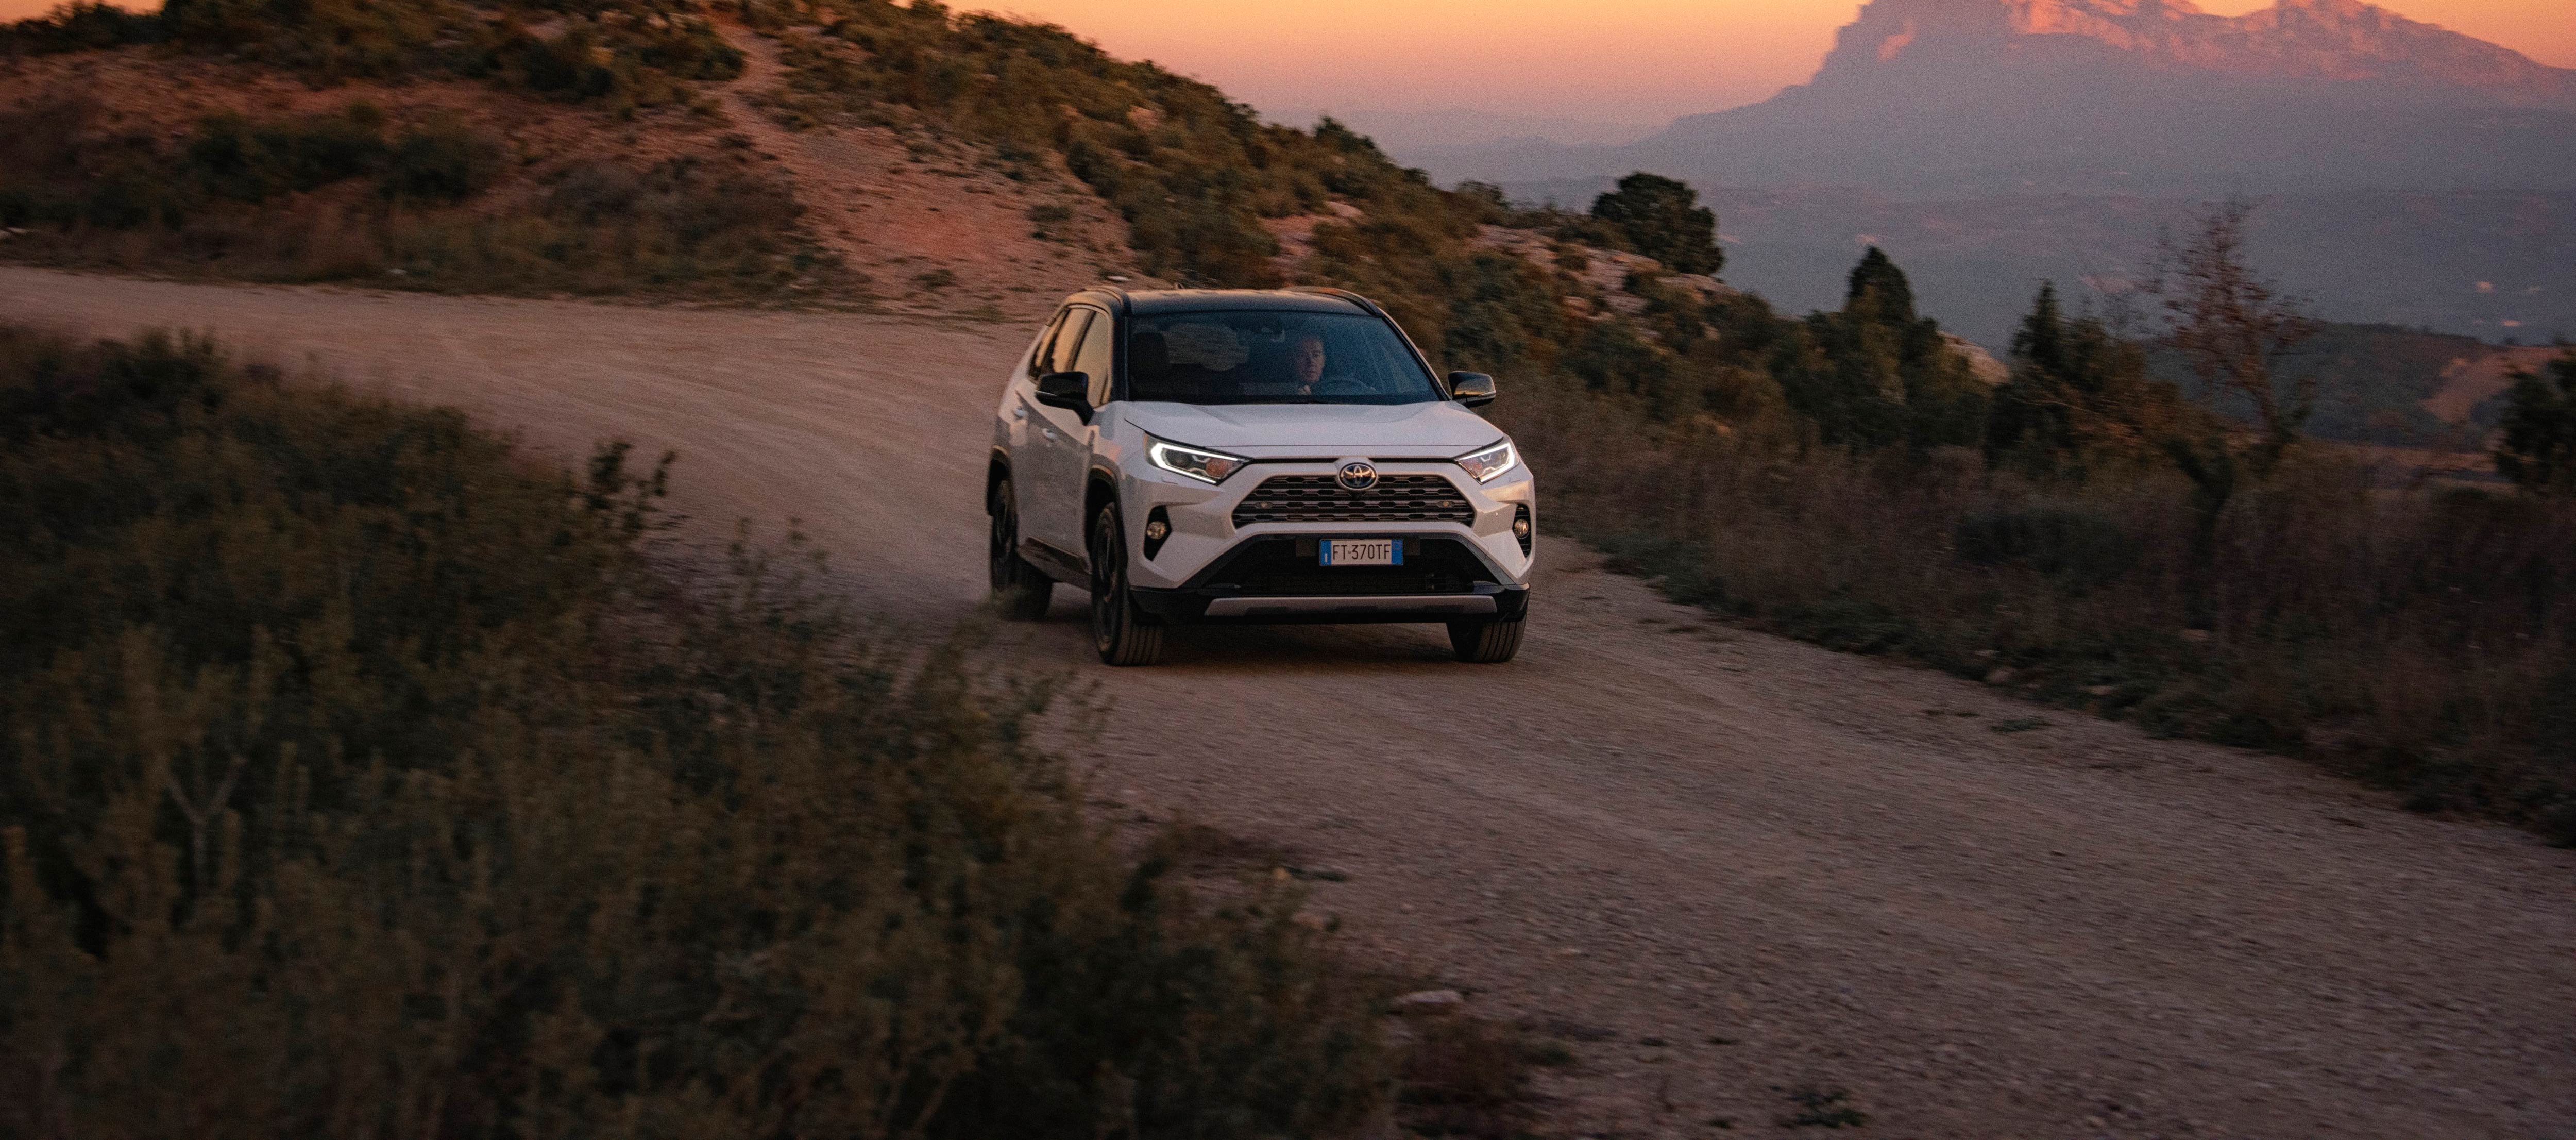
(381, 190)
(624, 55)
(349, 195)
(2090, 530)
(2087, 532)
(2108, 542)
(2173, 553)
(360, 776)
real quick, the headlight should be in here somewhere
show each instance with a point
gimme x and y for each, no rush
(1493, 461)
(1197, 463)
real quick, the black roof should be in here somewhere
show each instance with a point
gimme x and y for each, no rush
(1149, 301)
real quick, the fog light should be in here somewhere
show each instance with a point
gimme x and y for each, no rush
(1520, 528)
(1158, 526)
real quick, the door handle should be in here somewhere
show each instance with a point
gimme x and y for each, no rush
(1050, 432)
(1020, 413)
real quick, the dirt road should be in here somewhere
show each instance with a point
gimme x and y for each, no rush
(1755, 864)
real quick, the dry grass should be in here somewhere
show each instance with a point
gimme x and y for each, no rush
(358, 777)
(2421, 637)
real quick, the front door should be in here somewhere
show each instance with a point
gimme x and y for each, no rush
(1062, 447)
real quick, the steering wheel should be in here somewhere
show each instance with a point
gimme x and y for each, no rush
(1341, 386)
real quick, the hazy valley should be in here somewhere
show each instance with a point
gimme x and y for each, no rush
(2411, 176)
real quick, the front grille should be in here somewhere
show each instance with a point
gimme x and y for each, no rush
(1286, 567)
(1320, 498)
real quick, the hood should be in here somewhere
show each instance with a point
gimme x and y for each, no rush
(1432, 430)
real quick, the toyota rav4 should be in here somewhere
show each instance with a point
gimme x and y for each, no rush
(1229, 456)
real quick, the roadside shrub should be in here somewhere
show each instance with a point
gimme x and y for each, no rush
(623, 57)
(2536, 447)
(441, 162)
(233, 157)
(324, 39)
(2422, 639)
(2078, 548)
(1467, 1077)
(360, 776)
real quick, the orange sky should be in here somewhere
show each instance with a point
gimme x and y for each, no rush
(1617, 60)
(1613, 60)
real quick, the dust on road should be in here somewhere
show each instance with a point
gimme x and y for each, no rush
(1673, 831)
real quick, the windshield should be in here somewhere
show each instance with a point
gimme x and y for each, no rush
(1272, 358)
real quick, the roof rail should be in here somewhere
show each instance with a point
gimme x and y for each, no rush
(1124, 305)
(1344, 294)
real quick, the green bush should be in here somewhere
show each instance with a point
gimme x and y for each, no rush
(441, 162)
(358, 777)
(233, 157)
(2081, 549)
(1662, 219)
(2536, 447)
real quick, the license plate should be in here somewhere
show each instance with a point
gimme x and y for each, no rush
(1361, 551)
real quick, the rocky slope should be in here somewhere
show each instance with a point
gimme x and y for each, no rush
(571, 197)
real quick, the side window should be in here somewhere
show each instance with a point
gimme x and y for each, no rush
(1060, 357)
(1095, 356)
(1045, 342)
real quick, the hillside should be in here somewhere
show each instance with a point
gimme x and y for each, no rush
(144, 159)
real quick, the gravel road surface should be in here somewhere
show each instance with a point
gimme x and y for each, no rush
(1725, 865)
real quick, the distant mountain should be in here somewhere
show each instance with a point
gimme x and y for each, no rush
(1948, 98)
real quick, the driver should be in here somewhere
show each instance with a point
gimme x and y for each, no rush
(1306, 363)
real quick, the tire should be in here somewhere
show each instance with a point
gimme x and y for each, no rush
(1021, 591)
(1489, 642)
(1123, 633)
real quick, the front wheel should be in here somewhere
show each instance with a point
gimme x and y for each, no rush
(1488, 642)
(1122, 633)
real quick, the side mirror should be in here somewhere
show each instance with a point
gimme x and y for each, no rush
(1068, 390)
(1473, 389)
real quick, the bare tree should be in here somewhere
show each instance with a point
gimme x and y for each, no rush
(2235, 330)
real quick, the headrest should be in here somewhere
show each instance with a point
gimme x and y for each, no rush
(1148, 355)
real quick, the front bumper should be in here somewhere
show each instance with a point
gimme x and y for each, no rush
(1221, 565)
(1279, 579)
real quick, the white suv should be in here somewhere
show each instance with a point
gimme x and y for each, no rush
(1202, 456)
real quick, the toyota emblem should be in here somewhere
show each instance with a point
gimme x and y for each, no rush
(1357, 476)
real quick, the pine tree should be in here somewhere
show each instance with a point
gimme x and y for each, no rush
(2029, 418)
(2537, 449)
(1662, 218)
(1879, 287)
(2077, 389)
(1878, 374)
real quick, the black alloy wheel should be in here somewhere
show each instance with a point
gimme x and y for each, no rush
(1021, 590)
(1122, 633)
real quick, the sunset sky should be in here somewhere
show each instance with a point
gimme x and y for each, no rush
(1610, 60)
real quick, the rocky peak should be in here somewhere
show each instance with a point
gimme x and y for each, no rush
(2334, 41)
